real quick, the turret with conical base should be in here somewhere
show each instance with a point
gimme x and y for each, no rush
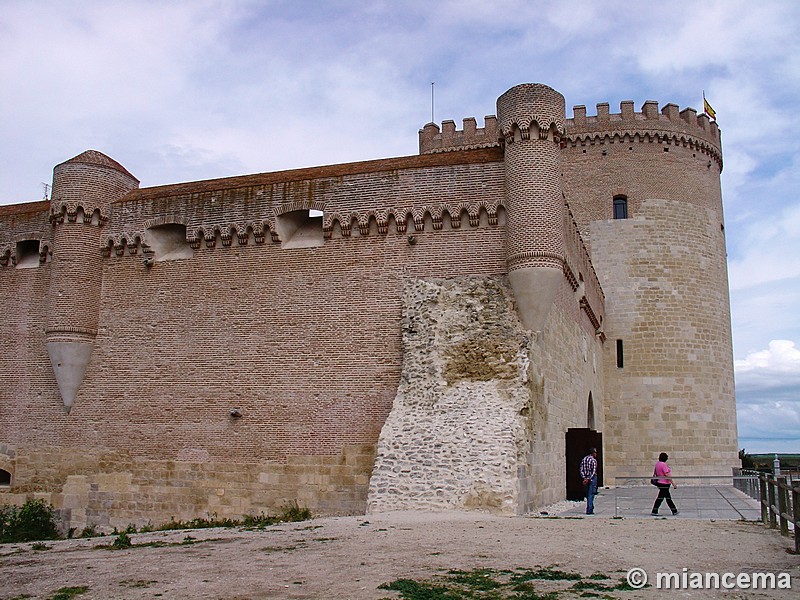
(531, 121)
(83, 189)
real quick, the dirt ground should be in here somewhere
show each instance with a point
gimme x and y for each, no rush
(349, 557)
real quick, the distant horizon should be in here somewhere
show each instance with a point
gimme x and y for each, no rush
(759, 445)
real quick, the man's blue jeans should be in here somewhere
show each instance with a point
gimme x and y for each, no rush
(591, 492)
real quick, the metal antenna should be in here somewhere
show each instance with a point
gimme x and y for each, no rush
(46, 187)
(432, 119)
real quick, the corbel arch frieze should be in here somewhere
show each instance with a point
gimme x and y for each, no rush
(474, 214)
(120, 242)
(226, 232)
(243, 231)
(210, 233)
(329, 221)
(382, 221)
(418, 217)
(346, 221)
(532, 124)
(363, 222)
(401, 218)
(258, 231)
(491, 209)
(423, 213)
(645, 136)
(195, 237)
(73, 211)
(456, 212)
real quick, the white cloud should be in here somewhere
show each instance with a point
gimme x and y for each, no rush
(768, 397)
(766, 248)
(782, 357)
(763, 227)
(718, 33)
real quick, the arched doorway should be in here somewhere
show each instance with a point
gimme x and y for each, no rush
(578, 442)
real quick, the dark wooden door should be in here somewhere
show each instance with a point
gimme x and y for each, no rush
(579, 440)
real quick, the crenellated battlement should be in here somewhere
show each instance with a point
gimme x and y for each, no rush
(668, 125)
(670, 118)
(433, 140)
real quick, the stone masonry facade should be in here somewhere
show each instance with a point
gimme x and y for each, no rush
(406, 333)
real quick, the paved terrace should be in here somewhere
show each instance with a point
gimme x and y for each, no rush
(705, 501)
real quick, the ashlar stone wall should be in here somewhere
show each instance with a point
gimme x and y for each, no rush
(111, 488)
(672, 388)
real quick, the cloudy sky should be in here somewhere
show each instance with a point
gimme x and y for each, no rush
(197, 89)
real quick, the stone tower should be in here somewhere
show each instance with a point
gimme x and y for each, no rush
(83, 189)
(531, 121)
(645, 188)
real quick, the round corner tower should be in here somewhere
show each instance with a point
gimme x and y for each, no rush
(83, 189)
(531, 122)
(645, 190)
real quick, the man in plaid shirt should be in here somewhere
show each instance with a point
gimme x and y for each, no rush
(589, 475)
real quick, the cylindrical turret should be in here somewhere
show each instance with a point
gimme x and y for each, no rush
(645, 187)
(83, 189)
(531, 120)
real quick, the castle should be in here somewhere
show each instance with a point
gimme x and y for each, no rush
(444, 331)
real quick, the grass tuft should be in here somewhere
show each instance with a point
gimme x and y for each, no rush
(67, 593)
(498, 584)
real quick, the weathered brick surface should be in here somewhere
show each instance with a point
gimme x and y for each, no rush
(306, 343)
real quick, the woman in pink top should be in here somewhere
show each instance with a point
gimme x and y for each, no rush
(663, 480)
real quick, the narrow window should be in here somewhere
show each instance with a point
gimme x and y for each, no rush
(620, 360)
(620, 207)
(5, 477)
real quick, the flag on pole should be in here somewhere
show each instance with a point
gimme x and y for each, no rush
(712, 114)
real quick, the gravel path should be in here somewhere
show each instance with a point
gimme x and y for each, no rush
(349, 557)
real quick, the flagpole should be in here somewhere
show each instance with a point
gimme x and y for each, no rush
(707, 109)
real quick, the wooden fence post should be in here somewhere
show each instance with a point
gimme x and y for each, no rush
(773, 522)
(783, 505)
(762, 486)
(796, 511)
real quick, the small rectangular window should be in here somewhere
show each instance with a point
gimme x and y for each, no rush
(620, 207)
(27, 256)
(620, 359)
(301, 229)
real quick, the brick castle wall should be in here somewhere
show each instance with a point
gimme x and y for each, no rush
(306, 343)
